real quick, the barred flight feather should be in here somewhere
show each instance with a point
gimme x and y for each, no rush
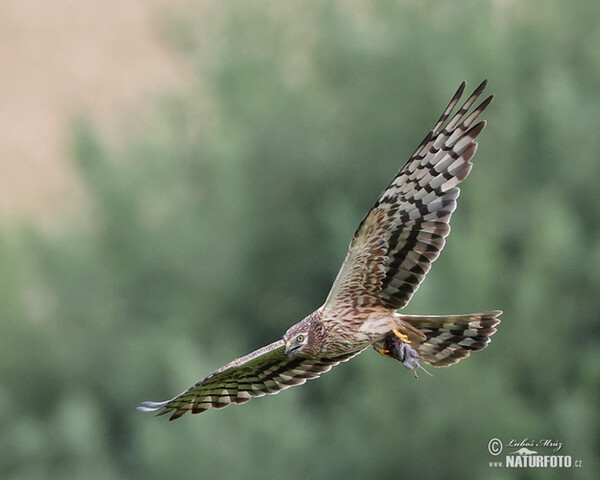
(266, 371)
(406, 229)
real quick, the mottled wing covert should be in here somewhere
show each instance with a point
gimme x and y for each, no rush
(395, 244)
(266, 371)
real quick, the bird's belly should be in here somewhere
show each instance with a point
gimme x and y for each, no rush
(377, 328)
(353, 335)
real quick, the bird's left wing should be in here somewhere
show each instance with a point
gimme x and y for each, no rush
(395, 244)
(265, 371)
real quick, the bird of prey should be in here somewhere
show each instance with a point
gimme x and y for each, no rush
(388, 258)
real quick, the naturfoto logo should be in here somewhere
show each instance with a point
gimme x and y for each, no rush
(530, 453)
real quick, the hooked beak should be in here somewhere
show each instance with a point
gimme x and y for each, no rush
(288, 349)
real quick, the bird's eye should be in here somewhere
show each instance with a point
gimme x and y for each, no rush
(300, 338)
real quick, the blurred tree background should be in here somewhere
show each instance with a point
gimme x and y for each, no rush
(222, 218)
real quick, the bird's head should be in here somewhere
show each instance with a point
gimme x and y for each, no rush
(294, 343)
(304, 339)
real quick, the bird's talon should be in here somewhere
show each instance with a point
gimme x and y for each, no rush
(384, 352)
(401, 336)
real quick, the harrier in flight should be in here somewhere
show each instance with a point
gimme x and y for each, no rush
(388, 258)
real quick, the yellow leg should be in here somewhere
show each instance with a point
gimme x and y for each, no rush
(401, 336)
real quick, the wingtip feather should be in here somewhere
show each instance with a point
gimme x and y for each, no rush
(485, 103)
(469, 152)
(151, 407)
(481, 86)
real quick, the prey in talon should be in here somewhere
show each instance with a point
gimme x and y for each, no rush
(397, 345)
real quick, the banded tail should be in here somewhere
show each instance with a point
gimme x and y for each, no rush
(450, 338)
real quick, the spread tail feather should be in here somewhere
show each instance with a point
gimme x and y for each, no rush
(448, 339)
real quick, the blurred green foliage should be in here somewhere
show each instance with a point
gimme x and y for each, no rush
(222, 219)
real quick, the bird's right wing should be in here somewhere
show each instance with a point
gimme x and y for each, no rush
(266, 371)
(395, 244)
